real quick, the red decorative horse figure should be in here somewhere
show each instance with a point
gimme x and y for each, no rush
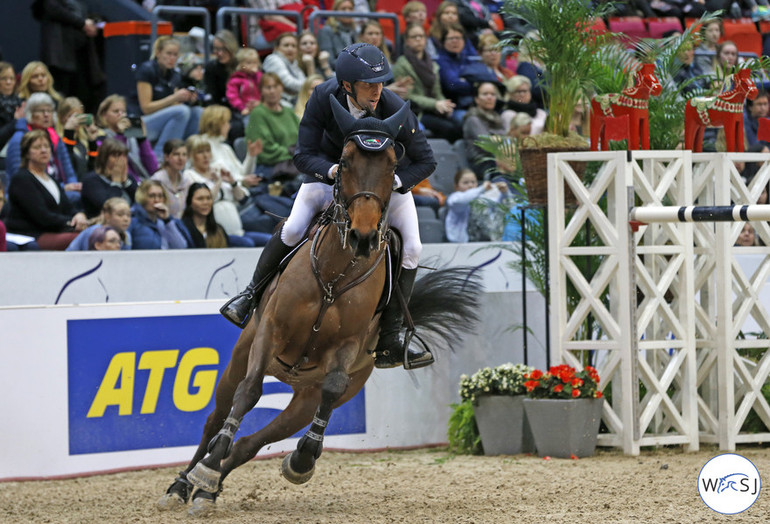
(724, 110)
(632, 101)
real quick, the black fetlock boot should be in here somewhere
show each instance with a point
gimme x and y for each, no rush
(238, 309)
(390, 350)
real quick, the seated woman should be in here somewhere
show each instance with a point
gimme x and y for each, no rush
(116, 213)
(152, 227)
(199, 220)
(434, 109)
(226, 190)
(489, 47)
(110, 178)
(79, 133)
(217, 72)
(39, 206)
(312, 61)
(214, 126)
(283, 62)
(36, 78)
(304, 93)
(111, 115)
(337, 33)
(482, 120)
(162, 98)
(10, 105)
(172, 175)
(518, 99)
(446, 14)
(105, 238)
(277, 127)
(40, 115)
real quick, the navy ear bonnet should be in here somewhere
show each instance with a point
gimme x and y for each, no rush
(369, 133)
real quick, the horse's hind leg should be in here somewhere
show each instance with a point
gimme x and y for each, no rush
(299, 466)
(179, 492)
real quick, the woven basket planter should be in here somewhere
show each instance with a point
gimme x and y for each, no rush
(534, 163)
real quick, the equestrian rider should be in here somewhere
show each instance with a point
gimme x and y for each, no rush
(360, 73)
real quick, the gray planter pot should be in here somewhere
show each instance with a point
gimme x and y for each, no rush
(502, 425)
(564, 427)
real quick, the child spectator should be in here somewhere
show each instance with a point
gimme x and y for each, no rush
(459, 204)
(243, 92)
(116, 213)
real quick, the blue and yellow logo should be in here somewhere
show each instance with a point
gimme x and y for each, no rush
(142, 383)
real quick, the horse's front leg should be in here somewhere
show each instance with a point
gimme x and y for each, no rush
(206, 473)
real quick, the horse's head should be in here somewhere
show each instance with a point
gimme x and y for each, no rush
(649, 80)
(745, 84)
(365, 177)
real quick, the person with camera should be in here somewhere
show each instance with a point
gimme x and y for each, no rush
(169, 109)
(131, 131)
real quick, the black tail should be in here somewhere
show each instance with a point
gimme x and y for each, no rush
(445, 304)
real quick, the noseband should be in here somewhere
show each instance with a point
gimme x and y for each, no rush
(340, 216)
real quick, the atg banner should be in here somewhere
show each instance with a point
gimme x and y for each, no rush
(148, 382)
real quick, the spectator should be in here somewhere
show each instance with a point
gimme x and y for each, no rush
(690, 78)
(40, 115)
(36, 78)
(172, 176)
(747, 237)
(426, 195)
(199, 219)
(467, 189)
(283, 62)
(371, 33)
(755, 109)
(243, 87)
(311, 60)
(433, 108)
(220, 68)
(214, 125)
(277, 127)
(116, 213)
(447, 15)
(190, 67)
(455, 63)
(104, 238)
(414, 12)
(110, 178)
(68, 47)
(78, 132)
(337, 33)
(727, 59)
(161, 97)
(152, 227)
(482, 120)
(304, 93)
(531, 67)
(705, 53)
(274, 25)
(518, 99)
(141, 158)
(475, 18)
(228, 193)
(39, 207)
(9, 103)
(489, 46)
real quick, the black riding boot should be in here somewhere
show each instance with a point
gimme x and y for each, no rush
(238, 309)
(390, 350)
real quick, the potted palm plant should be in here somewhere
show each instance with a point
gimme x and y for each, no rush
(567, 44)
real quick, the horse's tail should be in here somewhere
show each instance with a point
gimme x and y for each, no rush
(445, 304)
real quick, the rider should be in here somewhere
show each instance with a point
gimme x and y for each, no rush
(360, 73)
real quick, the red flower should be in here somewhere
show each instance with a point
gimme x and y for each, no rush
(536, 374)
(558, 388)
(593, 373)
(576, 382)
(530, 384)
(575, 392)
(598, 394)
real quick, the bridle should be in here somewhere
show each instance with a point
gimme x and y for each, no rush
(340, 216)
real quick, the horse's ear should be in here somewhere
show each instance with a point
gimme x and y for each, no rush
(394, 122)
(344, 119)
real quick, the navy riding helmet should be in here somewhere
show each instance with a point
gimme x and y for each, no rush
(362, 63)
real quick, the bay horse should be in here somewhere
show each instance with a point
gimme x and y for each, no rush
(632, 101)
(318, 321)
(724, 110)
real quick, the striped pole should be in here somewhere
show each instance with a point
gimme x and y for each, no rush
(743, 213)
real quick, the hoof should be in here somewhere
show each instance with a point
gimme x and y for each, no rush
(203, 504)
(205, 478)
(170, 502)
(291, 475)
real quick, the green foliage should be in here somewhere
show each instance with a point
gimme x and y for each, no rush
(464, 437)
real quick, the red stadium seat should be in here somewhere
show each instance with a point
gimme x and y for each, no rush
(738, 25)
(658, 26)
(748, 42)
(631, 26)
(390, 6)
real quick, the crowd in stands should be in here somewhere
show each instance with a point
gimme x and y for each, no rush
(85, 169)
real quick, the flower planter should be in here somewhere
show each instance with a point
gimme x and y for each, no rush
(503, 425)
(564, 427)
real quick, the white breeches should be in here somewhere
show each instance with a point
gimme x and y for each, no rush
(315, 196)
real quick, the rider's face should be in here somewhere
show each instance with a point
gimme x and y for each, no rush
(367, 95)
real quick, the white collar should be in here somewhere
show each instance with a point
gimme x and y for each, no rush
(357, 113)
